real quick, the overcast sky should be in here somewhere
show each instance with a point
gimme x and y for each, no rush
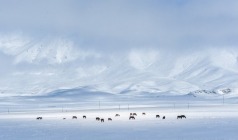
(109, 24)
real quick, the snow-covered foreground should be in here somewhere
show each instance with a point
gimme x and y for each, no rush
(212, 123)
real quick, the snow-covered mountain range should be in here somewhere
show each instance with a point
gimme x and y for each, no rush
(36, 67)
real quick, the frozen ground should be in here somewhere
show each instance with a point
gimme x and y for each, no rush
(206, 119)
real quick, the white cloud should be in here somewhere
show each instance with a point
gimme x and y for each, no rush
(225, 58)
(51, 50)
(142, 59)
(13, 44)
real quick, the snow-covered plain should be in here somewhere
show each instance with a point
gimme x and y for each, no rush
(207, 119)
(55, 78)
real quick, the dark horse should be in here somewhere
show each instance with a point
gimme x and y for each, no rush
(74, 117)
(39, 118)
(109, 119)
(97, 119)
(102, 120)
(132, 117)
(84, 117)
(117, 115)
(157, 116)
(163, 117)
(135, 114)
(143, 113)
(181, 117)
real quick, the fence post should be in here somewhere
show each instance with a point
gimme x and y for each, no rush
(99, 105)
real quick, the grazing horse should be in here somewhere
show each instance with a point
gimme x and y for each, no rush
(97, 119)
(102, 120)
(134, 114)
(143, 113)
(109, 119)
(163, 117)
(181, 117)
(157, 116)
(84, 117)
(39, 118)
(132, 117)
(117, 115)
(74, 117)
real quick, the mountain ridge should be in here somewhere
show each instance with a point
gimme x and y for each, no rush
(54, 64)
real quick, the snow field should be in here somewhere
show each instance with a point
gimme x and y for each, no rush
(211, 123)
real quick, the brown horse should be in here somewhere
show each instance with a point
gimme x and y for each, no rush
(163, 117)
(117, 115)
(102, 120)
(109, 119)
(132, 117)
(157, 116)
(74, 117)
(181, 117)
(39, 118)
(97, 119)
(84, 117)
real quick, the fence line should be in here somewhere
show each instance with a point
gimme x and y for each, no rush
(123, 107)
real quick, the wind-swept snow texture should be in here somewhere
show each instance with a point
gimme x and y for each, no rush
(201, 123)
